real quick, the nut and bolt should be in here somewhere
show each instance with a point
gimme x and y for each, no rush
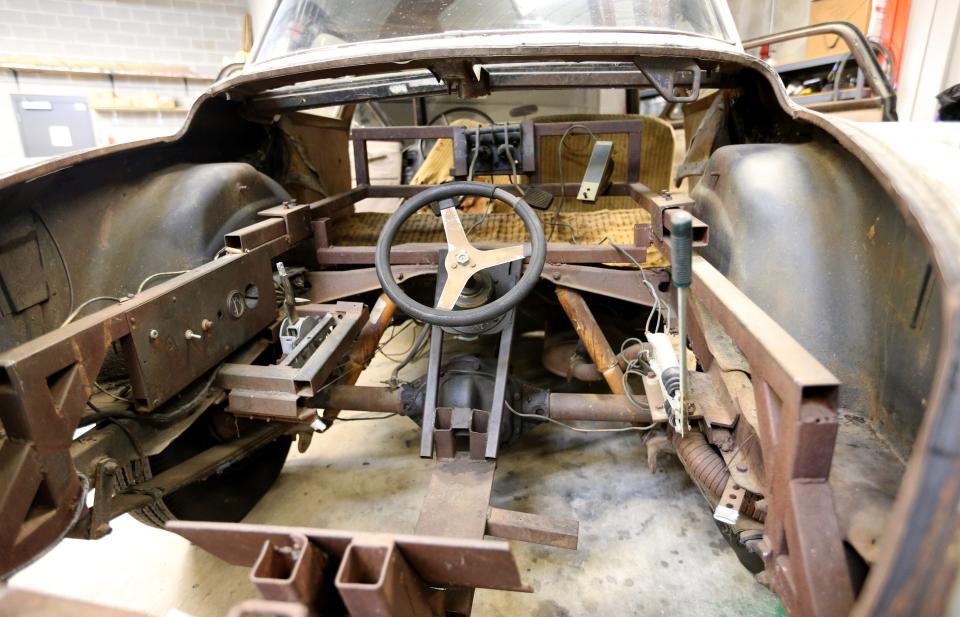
(154, 335)
(206, 325)
(463, 258)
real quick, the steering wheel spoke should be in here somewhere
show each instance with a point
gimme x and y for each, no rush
(453, 287)
(453, 229)
(495, 257)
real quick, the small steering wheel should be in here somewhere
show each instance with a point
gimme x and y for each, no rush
(463, 259)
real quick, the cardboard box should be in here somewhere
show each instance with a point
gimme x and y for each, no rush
(856, 12)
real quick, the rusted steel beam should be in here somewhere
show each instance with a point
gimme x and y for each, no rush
(289, 569)
(296, 218)
(255, 235)
(329, 285)
(797, 415)
(595, 407)
(439, 561)
(533, 528)
(613, 283)
(659, 205)
(422, 253)
(340, 204)
(375, 580)
(276, 391)
(359, 398)
(568, 189)
(592, 336)
(45, 384)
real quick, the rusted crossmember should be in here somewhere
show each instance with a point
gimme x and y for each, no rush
(368, 574)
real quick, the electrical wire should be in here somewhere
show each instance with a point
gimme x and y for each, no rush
(176, 414)
(63, 261)
(563, 193)
(159, 275)
(361, 419)
(658, 304)
(87, 303)
(421, 339)
(396, 356)
(111, 394)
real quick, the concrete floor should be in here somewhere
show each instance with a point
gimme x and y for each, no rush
(648, 545)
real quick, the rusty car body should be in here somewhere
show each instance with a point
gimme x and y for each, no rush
(197, 302)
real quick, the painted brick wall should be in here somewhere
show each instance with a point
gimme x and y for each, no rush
(193, 33)
(196, 34)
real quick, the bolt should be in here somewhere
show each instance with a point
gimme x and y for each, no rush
(463, 258)
(556, 276)
(190, 334)
(206, 325)
(154, 335)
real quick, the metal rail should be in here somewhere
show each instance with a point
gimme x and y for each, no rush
(859, 48)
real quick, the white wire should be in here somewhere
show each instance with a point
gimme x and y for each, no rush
(563, 193)
(87, 303)
(574, 428)
(160, 274)
(658, 305)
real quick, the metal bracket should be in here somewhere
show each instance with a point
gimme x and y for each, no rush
(664, 79)
(597, 175)
(452, 424)
(728, 510)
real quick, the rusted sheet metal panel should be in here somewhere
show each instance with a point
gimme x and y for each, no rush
(234, 299)
(457, 499)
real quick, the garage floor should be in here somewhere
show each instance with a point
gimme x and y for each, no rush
(648, 545)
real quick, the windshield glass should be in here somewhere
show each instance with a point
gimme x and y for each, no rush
(305, 24)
